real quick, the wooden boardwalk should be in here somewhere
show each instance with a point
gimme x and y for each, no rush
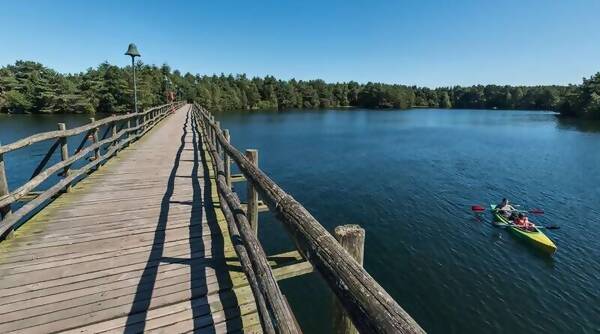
(144, 244)
(139, 245)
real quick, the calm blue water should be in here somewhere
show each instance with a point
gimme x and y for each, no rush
(410, 177)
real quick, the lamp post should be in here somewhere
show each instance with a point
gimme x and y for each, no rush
(133, 52)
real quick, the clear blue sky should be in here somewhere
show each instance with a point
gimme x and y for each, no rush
(430, 43)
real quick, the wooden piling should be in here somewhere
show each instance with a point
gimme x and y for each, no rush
(4, 211)
(252, 207)
(352, 239)
(64, 154)
(227, 161)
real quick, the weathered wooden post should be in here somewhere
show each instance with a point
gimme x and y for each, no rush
(252, 206)
(212, 130)
(217, 144)
(138, 124)
(4, 211)
(227, 160)
(64, 154)
(128, 128)
(114, 135)
(94, 138)
(352, 239)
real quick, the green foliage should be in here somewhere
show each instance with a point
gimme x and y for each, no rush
(584, 100)
(30, 87)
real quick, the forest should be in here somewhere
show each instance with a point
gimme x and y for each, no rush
(30, 87)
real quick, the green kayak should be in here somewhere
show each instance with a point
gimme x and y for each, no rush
(534, 236)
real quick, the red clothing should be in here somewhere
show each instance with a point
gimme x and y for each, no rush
(523, 222)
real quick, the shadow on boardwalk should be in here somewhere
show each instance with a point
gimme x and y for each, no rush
(200, 284)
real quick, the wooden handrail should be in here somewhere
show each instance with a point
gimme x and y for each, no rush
(370, 307)
(276, 315)
(115, 142)
(75, 131)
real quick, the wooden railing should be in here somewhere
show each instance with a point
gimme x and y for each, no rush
(365, 303)
(118, 132)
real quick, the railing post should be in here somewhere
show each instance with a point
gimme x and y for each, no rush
(128, 128)
(4, 211)
(211, 130)
(64, 154)
(94, 135)
(138, 124)
(217, 144)
(114, 136)
(227, 160)
(352, 239)
(252, 206)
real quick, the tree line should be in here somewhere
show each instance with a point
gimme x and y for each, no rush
(30, 87)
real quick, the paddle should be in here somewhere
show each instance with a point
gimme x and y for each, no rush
(549, 227)
(479, 208)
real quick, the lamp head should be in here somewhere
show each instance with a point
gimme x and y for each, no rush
(133, 51)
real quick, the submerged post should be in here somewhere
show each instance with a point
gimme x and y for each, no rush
(64, 153)
(252, 206)
(352, 239)
(4, 211)
(227, 161)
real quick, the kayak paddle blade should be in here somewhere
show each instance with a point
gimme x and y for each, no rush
(477, 208)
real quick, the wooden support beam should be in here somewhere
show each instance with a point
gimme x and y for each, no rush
(227, 160)
(262, 207)
(84, 140)
(64, 154)
(352, 239)
(289, 264)
(44, 162)
(4, 211)
(30, 196)
(237, 178)
(252, 198)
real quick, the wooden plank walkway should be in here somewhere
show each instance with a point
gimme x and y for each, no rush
(138, 246)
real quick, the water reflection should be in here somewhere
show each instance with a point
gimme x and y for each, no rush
(578, 124)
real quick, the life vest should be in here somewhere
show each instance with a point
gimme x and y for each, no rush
(521, 221)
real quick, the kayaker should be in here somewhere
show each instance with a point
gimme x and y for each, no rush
(523, 222)
(505, 208)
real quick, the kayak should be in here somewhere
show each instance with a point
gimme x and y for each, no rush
(534, 236)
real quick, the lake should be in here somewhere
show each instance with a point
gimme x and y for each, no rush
(409, 177)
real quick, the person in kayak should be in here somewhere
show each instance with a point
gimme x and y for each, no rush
(523, 222)
(505, 208)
